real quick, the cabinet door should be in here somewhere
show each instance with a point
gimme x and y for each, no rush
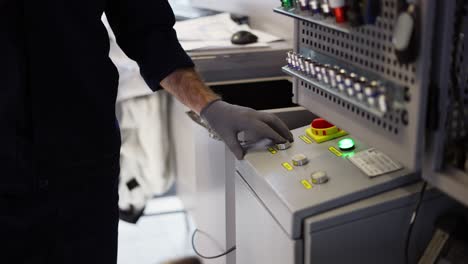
(259, 238)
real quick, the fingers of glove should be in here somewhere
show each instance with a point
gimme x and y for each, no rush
(262, 130)
(278, 125)
(234, 145)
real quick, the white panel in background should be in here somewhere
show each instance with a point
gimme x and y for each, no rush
(259, 11)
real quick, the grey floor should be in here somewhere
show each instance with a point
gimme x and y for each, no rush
(158, 238)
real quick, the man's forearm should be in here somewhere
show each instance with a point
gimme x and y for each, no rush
(225, 119)
(187, 86)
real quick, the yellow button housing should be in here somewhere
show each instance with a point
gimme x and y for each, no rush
(321, 139)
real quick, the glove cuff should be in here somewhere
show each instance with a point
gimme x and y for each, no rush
(203, 111)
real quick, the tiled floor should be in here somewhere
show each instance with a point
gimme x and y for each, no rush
(157, 238)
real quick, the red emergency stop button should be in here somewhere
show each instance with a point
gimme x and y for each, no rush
(322, 127)
(321, 130)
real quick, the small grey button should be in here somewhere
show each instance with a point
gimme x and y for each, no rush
(383, 103)
(283, 146)
(341, 87)
(360, 96)
(319, 77)
(300, 160)
(319, 177)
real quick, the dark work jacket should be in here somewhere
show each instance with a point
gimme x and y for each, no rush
(58, 86)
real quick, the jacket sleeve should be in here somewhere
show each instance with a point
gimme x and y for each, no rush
(144, 30)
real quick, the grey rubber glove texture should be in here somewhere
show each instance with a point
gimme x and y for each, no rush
(229, 120)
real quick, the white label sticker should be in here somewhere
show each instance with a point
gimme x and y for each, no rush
(374, 163)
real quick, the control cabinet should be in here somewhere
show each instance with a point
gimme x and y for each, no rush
(370, 231)
(391, 76)
(309, 202)
(289, 179)
(446, 155)
(344, 61)
(411, 103)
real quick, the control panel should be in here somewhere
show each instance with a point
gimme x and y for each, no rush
(313, 174)
(364, 65)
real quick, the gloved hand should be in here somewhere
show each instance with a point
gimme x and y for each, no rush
(229, 120)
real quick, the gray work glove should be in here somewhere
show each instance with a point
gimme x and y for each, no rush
(229, 120)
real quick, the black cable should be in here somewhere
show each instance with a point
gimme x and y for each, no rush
(413, 220)
(210, 257)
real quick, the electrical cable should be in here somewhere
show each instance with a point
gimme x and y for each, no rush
(413, 220)
(208, 257)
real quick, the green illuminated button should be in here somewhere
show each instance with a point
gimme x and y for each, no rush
(346, 144)
(287, 3)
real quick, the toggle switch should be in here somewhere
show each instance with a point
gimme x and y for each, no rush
(314, 6)
(325, 8)
(338, 7)
(304, 5)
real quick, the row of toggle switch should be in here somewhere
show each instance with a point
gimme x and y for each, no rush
(368, 92)
(356, 12)
(327, 8)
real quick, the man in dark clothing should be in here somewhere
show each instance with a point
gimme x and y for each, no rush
(59, 139)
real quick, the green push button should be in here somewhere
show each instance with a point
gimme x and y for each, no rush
(346, 144)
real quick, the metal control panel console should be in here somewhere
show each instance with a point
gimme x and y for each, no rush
(306, 178)
(389, 103)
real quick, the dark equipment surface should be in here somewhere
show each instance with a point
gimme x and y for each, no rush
(253, 94)
(243, 37)
(58, 185)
